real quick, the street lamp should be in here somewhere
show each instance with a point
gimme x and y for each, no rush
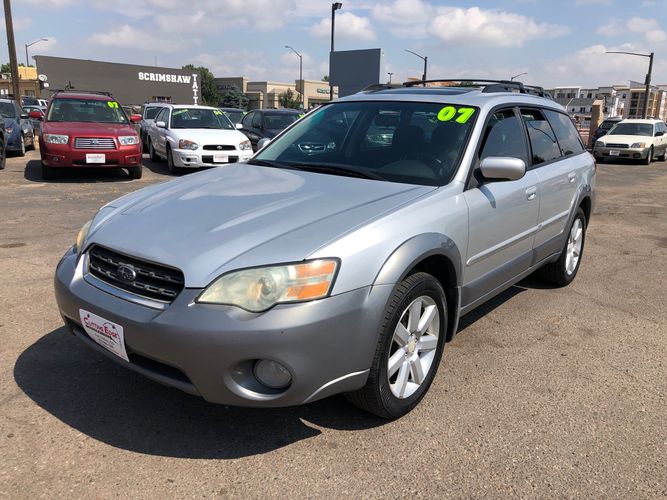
(334, 7)
(517, 76)
(300, 72)
(423, 58)
(648, 75)
(390, 75)
(28, 45)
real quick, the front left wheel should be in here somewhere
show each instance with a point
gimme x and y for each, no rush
(564, 270)
(134, 172)
(410, 345)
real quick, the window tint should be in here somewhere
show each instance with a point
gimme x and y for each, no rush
(542, 139)
(504, 136)
(247, 119)
(567, 135)
(256, 120)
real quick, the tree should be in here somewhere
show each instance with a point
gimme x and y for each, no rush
(234, 98)
(289, 99)
(6, 68)
(325, 78)
(208, 90)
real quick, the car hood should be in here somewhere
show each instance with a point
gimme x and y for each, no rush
(82, 129)
(626, 139)
(204, 136)
(241, 216)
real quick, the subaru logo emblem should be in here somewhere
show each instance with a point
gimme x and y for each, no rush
(95, 142)
(126, 273)
(219, 147)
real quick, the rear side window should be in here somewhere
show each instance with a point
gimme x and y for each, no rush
(567, 135)
(256, 120)
(504, 136)
(543, 141)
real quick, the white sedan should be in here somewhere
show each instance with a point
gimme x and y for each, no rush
(196, 136)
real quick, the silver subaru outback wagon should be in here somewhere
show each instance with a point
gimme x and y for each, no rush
(340, 258)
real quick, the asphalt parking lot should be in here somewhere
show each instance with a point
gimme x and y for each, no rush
(543, 393)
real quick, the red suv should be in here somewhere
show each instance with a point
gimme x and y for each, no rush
(88, 129)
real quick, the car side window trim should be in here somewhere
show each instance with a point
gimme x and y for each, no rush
(534, 165)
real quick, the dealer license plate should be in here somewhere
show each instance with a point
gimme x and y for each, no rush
(95, 158)
(614, 152)
(220, 158)
(106, 333)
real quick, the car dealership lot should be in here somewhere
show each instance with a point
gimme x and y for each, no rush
(544, 392)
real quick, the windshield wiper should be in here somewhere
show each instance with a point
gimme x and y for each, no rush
(270, 163)
(337, 169)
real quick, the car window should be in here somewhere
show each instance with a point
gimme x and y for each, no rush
(247, 120)
(279, 121)
(234, 116)
(151, 112)
(161, 116)
(568, 137)
(256, 120)
(86, 111)
(198, 118)
(543, 143)
(7, 110)
(504, 136)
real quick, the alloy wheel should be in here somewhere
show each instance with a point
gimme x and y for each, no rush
(575, 242)
(413, 348)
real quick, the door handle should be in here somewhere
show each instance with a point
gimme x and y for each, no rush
(531, 193)
(571, 176)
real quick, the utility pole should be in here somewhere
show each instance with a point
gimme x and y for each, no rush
(12, 53)
(423, 58)
(334, 7)
(300, 72)
(648, 75)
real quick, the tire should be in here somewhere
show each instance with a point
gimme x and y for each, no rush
(561, 273)
(663, 156)
(649, 157)
(155, 158)
(3, 158)
(32, 143)
(49, 174)
(21, 152)
(392, 395)
(173, 169)
(135, 172)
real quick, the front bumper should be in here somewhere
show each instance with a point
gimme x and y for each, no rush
(63, 155)
(186, 158)
(327, 345)
(623, 153)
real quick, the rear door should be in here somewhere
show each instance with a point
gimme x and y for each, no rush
(502, 214)
(560, 160)
(161, 133)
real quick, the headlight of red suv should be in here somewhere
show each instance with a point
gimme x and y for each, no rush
(56, 139)
(128, 140)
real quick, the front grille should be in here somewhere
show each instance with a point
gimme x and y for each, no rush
(618, 146)
(152, 281)
(94, 143)
(219, 147)
(209, 159)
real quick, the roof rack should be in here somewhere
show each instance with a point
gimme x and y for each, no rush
(488, 86)
(76, 91)
(382, 86)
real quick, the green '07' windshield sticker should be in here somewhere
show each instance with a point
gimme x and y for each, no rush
(462, 114)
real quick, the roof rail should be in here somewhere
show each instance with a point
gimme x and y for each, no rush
(381, 86)
(76, 91)
(487, 85)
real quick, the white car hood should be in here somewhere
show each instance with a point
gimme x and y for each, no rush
(203, 136)
(626, 139)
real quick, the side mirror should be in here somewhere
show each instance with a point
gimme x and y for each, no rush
(160, 124)
(502, 168)
(238, 126)
(659, 134)
(135, 118)
(36, 115)
(261, 144)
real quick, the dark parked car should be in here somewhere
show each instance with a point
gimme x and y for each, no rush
(605, 127)
(267, 123)
(148, 114)
(19, 135)
(235, 115)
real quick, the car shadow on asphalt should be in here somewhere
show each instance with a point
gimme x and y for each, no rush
(114, 405)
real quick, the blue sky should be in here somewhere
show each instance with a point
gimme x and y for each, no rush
(555, 42)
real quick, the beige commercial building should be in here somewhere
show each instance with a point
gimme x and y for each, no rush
(262, 95)
(28, 83)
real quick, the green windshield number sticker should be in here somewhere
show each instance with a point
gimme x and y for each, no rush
(449, 112)
(112, 104)
(217, 113)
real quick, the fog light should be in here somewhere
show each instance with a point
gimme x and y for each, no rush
(56, 159)
(636, 155)
(272, 374)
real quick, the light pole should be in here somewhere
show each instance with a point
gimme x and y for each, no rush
(423, 58)
(517, 76)
(390, 75)
(300, 72)
(648, 75)
(30, 44)
(334, 7)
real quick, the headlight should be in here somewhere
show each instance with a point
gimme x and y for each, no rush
(128, 140)
(599, 144)
(245, 146)
(81, 237)
(185, 144)
(56, 139)
(637, 145)
(261, 288)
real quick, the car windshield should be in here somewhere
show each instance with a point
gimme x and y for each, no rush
(407, 142)
(632, 129)
(86, 110)
(151, 112)
(7, 110)
(279, 121)
(200, 118)
(29, 101)
(234, 116)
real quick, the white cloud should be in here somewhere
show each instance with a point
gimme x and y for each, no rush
(126, 36)
(348, 26)
(646, 27)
